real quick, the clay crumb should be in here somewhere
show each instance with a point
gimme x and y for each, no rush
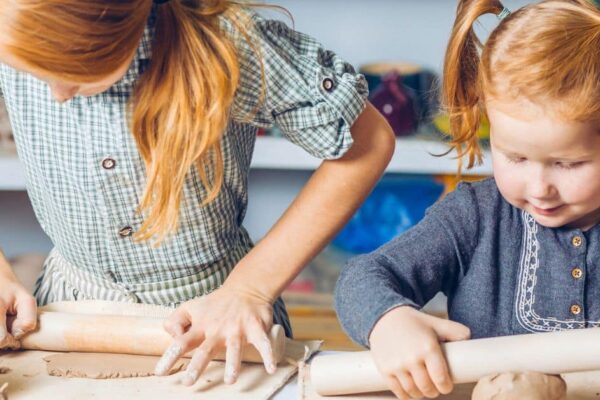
(4, 370)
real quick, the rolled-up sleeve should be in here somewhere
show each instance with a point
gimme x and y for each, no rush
(289, 79)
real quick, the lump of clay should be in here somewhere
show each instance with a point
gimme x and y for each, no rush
(519, 386)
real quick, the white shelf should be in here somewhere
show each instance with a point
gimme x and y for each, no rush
(412, 156)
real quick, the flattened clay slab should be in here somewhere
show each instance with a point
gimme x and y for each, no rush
(29, 380)
(103, 365)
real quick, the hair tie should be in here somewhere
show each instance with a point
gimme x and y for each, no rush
(503, 14)
(159, 2)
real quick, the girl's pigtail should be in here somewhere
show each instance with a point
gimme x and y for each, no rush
(461, 91)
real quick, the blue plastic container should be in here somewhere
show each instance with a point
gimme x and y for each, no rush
(395, 205)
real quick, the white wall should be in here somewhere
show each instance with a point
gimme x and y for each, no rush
(364, 31)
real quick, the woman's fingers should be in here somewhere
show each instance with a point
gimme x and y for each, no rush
(202, 356)
(177, 323)
(233, 360)
(220, 320)
(7, 341)
(259, 339)
(3, 325)
(181, 345)
(26, 320)
(169, 357)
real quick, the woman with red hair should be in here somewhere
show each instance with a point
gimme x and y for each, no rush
(136, 120)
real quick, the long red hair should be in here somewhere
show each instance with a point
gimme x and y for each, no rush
(181, 104)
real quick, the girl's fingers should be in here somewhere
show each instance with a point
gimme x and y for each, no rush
(409, 385)
(261, 342)
(202, 356)
(438, 371)
(181, 345)
(449, 331)
(423, 381)
(26, 320)
(396, 388)
(233, 360)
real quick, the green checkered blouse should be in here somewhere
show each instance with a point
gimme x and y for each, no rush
(85, 175)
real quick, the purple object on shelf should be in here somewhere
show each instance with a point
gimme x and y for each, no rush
(396, 103)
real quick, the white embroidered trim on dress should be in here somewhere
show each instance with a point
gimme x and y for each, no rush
(527, 280)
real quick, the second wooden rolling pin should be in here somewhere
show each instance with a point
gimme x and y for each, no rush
(123, 334)
(549, 353)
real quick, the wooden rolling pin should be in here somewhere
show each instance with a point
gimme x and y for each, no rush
(63, 331)
(550, 353)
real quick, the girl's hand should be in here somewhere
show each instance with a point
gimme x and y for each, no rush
(405, 344)
(224, 319)
(15, 300)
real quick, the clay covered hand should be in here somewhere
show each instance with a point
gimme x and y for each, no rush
(20, 306)
(225, 318)
(405, 345)
(518, 386)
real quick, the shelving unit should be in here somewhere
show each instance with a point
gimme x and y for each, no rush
(412, 156)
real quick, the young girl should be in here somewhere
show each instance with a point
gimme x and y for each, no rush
(136, 120)
(514, 254)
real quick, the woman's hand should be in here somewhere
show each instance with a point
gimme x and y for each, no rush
(224, 319)
(405, 344)
(16, 301)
